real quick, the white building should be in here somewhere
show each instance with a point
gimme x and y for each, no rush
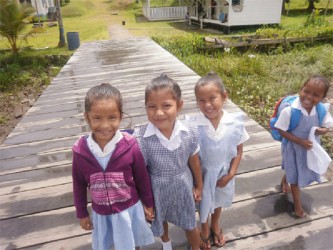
(225, 13)
(42, 7)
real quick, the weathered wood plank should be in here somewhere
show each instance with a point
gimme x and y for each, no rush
(316, 234)
(246, 218)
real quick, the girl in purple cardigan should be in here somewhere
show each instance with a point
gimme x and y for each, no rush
(110, 165)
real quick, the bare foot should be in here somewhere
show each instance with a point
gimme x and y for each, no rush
(299, 214)
(285, 187)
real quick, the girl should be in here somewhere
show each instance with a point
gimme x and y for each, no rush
(221, 147)
(170, 149)
(109, 163)
(296, 143)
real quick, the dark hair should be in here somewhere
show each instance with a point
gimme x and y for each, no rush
(319, 80)
(103, 91)
(163, 82)
(210, 78)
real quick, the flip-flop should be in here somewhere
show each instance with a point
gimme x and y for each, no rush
(205, 242)
(218, 239)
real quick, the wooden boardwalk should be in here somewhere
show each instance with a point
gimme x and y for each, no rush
(35, 161)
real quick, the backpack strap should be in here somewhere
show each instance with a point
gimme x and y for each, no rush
(295, 118)
(296, 115)
(321, 111)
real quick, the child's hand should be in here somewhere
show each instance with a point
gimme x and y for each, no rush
(86, 224)
(223, 181)
(149, 213)
(197, 194)
(321, 131)
(307, 144)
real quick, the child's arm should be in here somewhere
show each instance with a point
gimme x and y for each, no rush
(195, 167)
(224, 180)
(322, 131)
(86, 224)
(305, 143)
(149, 213)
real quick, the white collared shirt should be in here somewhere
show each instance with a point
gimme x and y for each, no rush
(284, 118)
(175, 138)
(109, 147)
(218, 134)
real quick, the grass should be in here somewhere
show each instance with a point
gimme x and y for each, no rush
(92, 18)
(254, 78)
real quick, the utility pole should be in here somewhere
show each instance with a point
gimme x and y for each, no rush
(62, 42)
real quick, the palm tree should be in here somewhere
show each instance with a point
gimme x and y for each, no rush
(12, 22)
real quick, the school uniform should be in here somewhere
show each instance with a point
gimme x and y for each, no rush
(217, 149)
(294, 156)
(118, 181)
(170, 175)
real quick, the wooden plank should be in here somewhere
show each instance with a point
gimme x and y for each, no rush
(260, 158)
(245, 219)
(36, 148)
(316, 234)
(35, 179)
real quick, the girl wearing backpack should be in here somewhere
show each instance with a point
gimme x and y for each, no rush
(296, 143)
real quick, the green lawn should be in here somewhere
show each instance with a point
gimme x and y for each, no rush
(92, 18)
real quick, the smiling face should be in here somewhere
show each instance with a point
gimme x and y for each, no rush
(104, 119)
(210, 102)
(162, 109)
(311, 94)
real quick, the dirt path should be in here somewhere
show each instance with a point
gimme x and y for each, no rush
(118, 32)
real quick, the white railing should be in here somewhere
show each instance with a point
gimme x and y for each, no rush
(165, 13)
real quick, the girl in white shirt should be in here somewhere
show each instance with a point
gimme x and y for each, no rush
(296, 142)
(221, 146)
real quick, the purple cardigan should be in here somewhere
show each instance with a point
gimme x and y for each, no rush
(119, 187)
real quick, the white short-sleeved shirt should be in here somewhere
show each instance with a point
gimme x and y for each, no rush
(284, 118)
(109, 147)
(175, 138)
(218, 134)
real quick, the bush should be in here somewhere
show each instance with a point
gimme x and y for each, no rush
(35, 70)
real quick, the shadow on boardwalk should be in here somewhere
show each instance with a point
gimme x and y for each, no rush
(36, 191)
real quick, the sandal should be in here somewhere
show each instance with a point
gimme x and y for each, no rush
(218, 239)
(205, 242)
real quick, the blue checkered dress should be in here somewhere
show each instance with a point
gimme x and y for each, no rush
(171, 179)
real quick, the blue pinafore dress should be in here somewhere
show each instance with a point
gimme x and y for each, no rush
(215, 158)
(294, 161)
(122, 231)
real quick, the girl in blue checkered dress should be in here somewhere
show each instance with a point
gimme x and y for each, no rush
(170, 148)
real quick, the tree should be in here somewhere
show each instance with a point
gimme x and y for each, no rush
(62, 42)
(311, 6)
(13, 22)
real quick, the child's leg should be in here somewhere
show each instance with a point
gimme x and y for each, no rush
(216, 231)
(205, 236)
(285, 187)
(296, 192)
(166, 242)
(193, 238)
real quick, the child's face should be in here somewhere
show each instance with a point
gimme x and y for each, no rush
(104, 120)
(162, 109)
(311, 94)
(210, 101)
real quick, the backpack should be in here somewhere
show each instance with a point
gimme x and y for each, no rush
(295, 117)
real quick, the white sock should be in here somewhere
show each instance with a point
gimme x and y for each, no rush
(167, 245)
